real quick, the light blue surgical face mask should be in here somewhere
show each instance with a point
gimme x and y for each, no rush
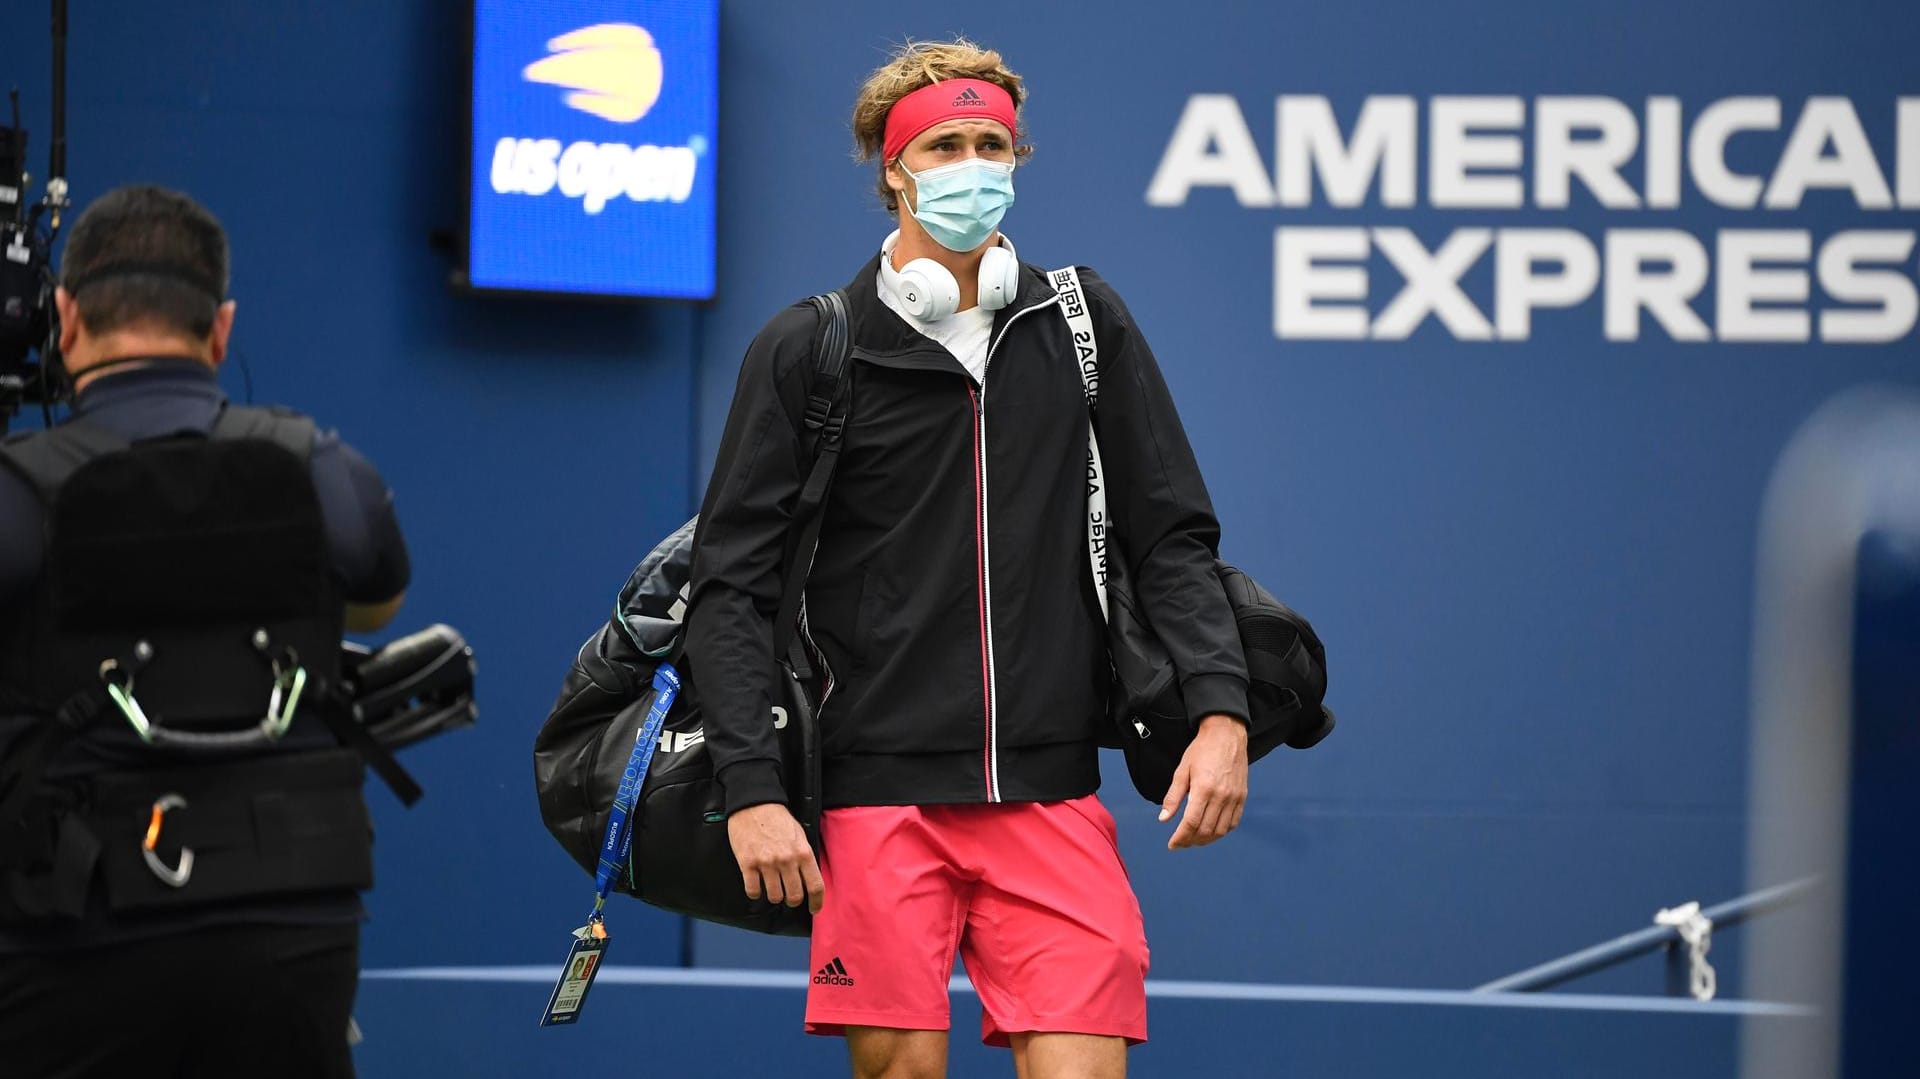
(961, 204)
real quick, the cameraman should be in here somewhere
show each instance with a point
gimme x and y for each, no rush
(179, 877)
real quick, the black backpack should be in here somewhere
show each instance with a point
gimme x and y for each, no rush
(682, 859)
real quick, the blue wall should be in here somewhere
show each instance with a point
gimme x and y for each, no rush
(1531, 559)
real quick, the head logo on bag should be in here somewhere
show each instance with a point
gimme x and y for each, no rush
(681, 741)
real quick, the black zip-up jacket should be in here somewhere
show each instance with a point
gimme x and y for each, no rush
(950, 597)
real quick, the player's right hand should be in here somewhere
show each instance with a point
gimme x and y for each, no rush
(776, 861)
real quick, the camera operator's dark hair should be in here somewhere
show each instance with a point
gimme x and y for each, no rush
(147, 227)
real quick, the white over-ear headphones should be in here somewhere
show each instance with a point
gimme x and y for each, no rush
(929, 292)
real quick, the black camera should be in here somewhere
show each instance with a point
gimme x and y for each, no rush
(28, 229)
(414, 688)
(26, 274)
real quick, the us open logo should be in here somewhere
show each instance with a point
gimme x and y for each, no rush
(613, 71)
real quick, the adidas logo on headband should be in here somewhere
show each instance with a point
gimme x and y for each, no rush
(931, 104)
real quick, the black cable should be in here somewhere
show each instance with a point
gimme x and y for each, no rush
(246, 372)
(697, 346)
(20, 202)
(50, 370)
(57, 147)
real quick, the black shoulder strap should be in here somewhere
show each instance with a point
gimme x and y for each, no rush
(289, 430)
(353, 734)
(46, 458)
(830, 353)
(826, 419)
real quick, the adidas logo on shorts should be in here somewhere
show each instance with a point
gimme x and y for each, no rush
(834, 973)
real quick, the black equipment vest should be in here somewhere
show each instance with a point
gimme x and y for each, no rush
(189, 577)
(190, 545)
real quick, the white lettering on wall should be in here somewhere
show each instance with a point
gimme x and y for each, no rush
(1388, 281)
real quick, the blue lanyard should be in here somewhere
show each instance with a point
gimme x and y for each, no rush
(618, 846)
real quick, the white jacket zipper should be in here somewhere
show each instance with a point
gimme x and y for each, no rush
(989, 674)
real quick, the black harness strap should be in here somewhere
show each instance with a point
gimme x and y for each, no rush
(354, 736)
(47, 458)
(288, 430)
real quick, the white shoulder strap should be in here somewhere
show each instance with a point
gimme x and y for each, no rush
(1073, 304)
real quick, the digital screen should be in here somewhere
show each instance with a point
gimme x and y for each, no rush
(592, 156)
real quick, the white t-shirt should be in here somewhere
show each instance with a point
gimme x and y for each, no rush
(967, 334)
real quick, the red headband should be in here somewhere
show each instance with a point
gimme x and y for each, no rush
(952, 99)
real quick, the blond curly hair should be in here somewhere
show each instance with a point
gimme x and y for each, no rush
(922, 63)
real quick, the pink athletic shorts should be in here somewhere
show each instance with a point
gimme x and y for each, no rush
(1032, 895)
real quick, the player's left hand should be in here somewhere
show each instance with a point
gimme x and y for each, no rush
(1212, 777)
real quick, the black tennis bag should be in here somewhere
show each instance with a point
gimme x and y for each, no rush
(1286, 680)
(682, 859)
(1286, 664)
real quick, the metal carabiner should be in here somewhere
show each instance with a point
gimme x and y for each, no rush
(175, 878)
(285, 698)
(289, 679)
(119, 683)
